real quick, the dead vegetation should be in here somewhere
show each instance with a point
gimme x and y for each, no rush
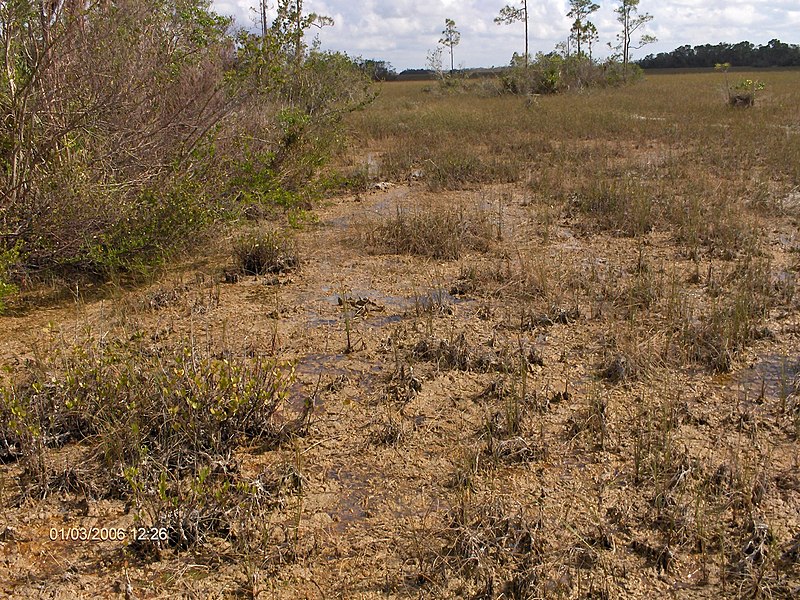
(442, 233)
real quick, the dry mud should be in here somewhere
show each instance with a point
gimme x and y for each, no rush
(411, 487)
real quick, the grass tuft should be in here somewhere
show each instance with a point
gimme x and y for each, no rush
(436, 233)
(260, 253)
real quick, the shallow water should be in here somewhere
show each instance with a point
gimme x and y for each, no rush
(770, 377)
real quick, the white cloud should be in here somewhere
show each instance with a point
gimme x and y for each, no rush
(402, 31)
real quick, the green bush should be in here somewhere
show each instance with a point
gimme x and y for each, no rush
(8, 260)
(553, 73)
(167, 122)
(159, 427)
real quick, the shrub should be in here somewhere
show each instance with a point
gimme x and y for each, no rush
(8, 260)
(265, 252)
(136, 90)
(159, 427)
(553, 73)
(103, 147)
(172, 403)
(743, 94)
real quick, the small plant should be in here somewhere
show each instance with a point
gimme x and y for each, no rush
(440, 234)
(488, 542)
(351, 308)
(435, 302)
(456, 353)
(265, 252)
(743, 94)
(8, 258)
(388, 432)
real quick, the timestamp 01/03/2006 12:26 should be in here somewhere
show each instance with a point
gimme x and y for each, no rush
(108, 534)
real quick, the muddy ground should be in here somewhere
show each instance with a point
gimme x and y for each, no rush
(414, 480)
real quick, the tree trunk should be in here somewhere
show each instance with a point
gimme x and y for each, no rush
(298, 42)
(525, 8)
(626, 42)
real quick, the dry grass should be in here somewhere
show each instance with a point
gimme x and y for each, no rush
(440, 233)
(630, 159)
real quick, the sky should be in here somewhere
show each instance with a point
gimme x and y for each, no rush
(403, 32)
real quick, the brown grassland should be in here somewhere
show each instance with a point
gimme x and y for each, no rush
(542, 347)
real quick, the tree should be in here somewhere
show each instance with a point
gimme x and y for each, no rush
(590, 36)
(376, 70)
(434, 62)
(580, 11)
(291, 24)
(450, 37)
(511, 14)
(631, 21)
(262, 14)
(743, 54)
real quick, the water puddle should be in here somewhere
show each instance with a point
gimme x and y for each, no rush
(352, 497)
(340, 222)
(364, 491)
(374, 309)
(771, 377)
(314, 319)
(316, 373)
(389, 204)
(791, 201)
(785, 278)
(788, 240)
(322, 364)
(647, 118)
(377, 299)
(374, 301)
(567, 239)
(378, 322)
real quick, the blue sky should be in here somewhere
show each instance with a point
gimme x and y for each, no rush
(403, 31)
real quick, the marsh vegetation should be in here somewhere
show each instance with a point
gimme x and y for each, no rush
(525, 347)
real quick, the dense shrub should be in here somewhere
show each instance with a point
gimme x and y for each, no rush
(259, 253)
(159, 425)
(127, 127)
(553, 73)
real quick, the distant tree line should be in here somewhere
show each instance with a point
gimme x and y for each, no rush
(377, 70)
(744, 54)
